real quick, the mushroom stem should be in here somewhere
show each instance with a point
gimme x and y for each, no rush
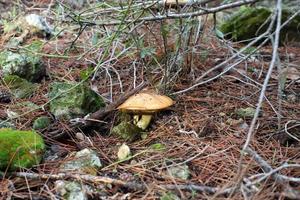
(144, 122)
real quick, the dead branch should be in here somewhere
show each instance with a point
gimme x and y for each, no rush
(177, 15)
(268, 169)
(97, 116)
(100, 114)
(133, 186)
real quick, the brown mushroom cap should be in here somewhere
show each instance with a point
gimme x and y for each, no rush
(146, 103)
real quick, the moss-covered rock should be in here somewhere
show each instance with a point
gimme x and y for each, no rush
(24, 64)
(181, 172)
(6, 124)
(71, 190)
(85, 161)
(20, 149)
(19, 87)
(69, 100)
(127, 130)
(41, 123)
(245, 112)
(25, 26)
(250, 22)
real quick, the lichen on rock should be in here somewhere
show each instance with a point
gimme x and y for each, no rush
(71, 100)
(250, 22)
(84, 161)
(20, 149)
(41, 123)
(127, 130)
(19, 87)
(24, 64)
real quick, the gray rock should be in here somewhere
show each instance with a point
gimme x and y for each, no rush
(249, 22)
(41, 122)
(69, 100)
(84, 161)
(19, 87)
(6, 124)
(71, 190)
(22, 64)
(181, 172)
(38, 24)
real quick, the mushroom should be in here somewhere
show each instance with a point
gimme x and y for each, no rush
(144, 105)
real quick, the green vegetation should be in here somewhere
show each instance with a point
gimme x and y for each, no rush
(20, 149)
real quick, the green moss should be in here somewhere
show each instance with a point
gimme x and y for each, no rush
(245, 112)
(41, 123)
(24, 64)
(127, 130)
(20, 149)
(19, 87)
(250, 22)
(169, 196)
(246, 23)
(71, 101)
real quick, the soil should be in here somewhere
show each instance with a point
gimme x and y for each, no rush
(201, 130)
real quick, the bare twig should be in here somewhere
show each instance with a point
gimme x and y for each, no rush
(177, 15)
(111, 107)
(268, 169)
(134, 186)
(268, 76)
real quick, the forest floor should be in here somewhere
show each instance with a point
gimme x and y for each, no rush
(201, 130)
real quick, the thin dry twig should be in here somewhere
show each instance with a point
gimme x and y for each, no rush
(134, 186)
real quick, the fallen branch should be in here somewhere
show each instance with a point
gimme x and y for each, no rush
(100, 114)
(268, 169)
(175, 15)
(133, 186)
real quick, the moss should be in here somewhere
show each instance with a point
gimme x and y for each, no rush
(127, 130)
(249, 22)
(246, 23)
(245, 112)
(24, 64)
(20, 149)
(41, 123)
(73, 101)
(19, 87)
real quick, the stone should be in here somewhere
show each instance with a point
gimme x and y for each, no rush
(249, 22)
(24, 64)
(41, 123)
(6, 124)
(71, 100)
(181, 172)
(31, 24)
(20, 88)
(245, 112)
(126, 130)
(123, 152)
(71, 190)
(37, 24)
(85, 161)
(20, 149)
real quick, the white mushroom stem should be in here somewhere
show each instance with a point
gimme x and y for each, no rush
(144, 122)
